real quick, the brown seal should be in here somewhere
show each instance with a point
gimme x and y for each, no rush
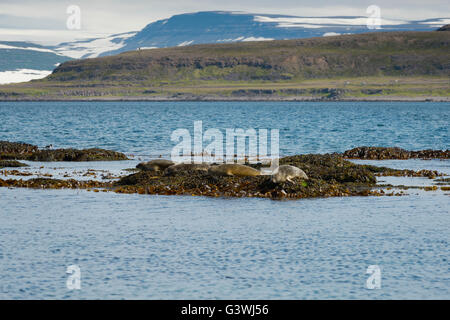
(233, 169)
(155, 165)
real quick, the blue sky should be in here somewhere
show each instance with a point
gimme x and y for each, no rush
(45, 20)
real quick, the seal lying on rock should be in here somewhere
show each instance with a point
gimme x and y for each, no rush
(181, 167)
(286, 173)
(233, 169)
(155, 165)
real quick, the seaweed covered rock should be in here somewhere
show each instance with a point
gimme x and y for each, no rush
(431, 154)
(385, 153)
(139, 178)
(93, 154)
(11, 164)
(330, 167)
(24, 151)
(16, 150)
(47, 183)
(199, 183)
(329, 175)
(376, 153)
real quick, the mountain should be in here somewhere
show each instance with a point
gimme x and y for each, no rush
(408, 64)
(25, 61)
(21, 61)
(370, 54)
(224, 27)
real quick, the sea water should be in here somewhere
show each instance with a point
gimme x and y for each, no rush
(183, 247)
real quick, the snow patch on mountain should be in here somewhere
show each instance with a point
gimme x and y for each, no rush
(436, 23)
(92, 48)
(185, 43)
(331, 34)
(22, 75)
(319, 22)
(256, 39)
(4, 46)
(244, 39)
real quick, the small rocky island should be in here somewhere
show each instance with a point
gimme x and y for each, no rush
(329, 175)
(318, 175)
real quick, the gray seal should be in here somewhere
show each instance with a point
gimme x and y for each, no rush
(287, 173)
(155, 165)
(182, 167)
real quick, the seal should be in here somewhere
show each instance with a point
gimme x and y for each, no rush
(155, 165)
(182, 167)
(233, 169)
(286, 173)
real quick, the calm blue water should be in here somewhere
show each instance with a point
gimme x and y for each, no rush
(145, 127)
(157, 247)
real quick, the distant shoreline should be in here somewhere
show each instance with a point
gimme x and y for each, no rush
(234, 99)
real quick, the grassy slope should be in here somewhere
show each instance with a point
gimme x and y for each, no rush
(394, 64)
